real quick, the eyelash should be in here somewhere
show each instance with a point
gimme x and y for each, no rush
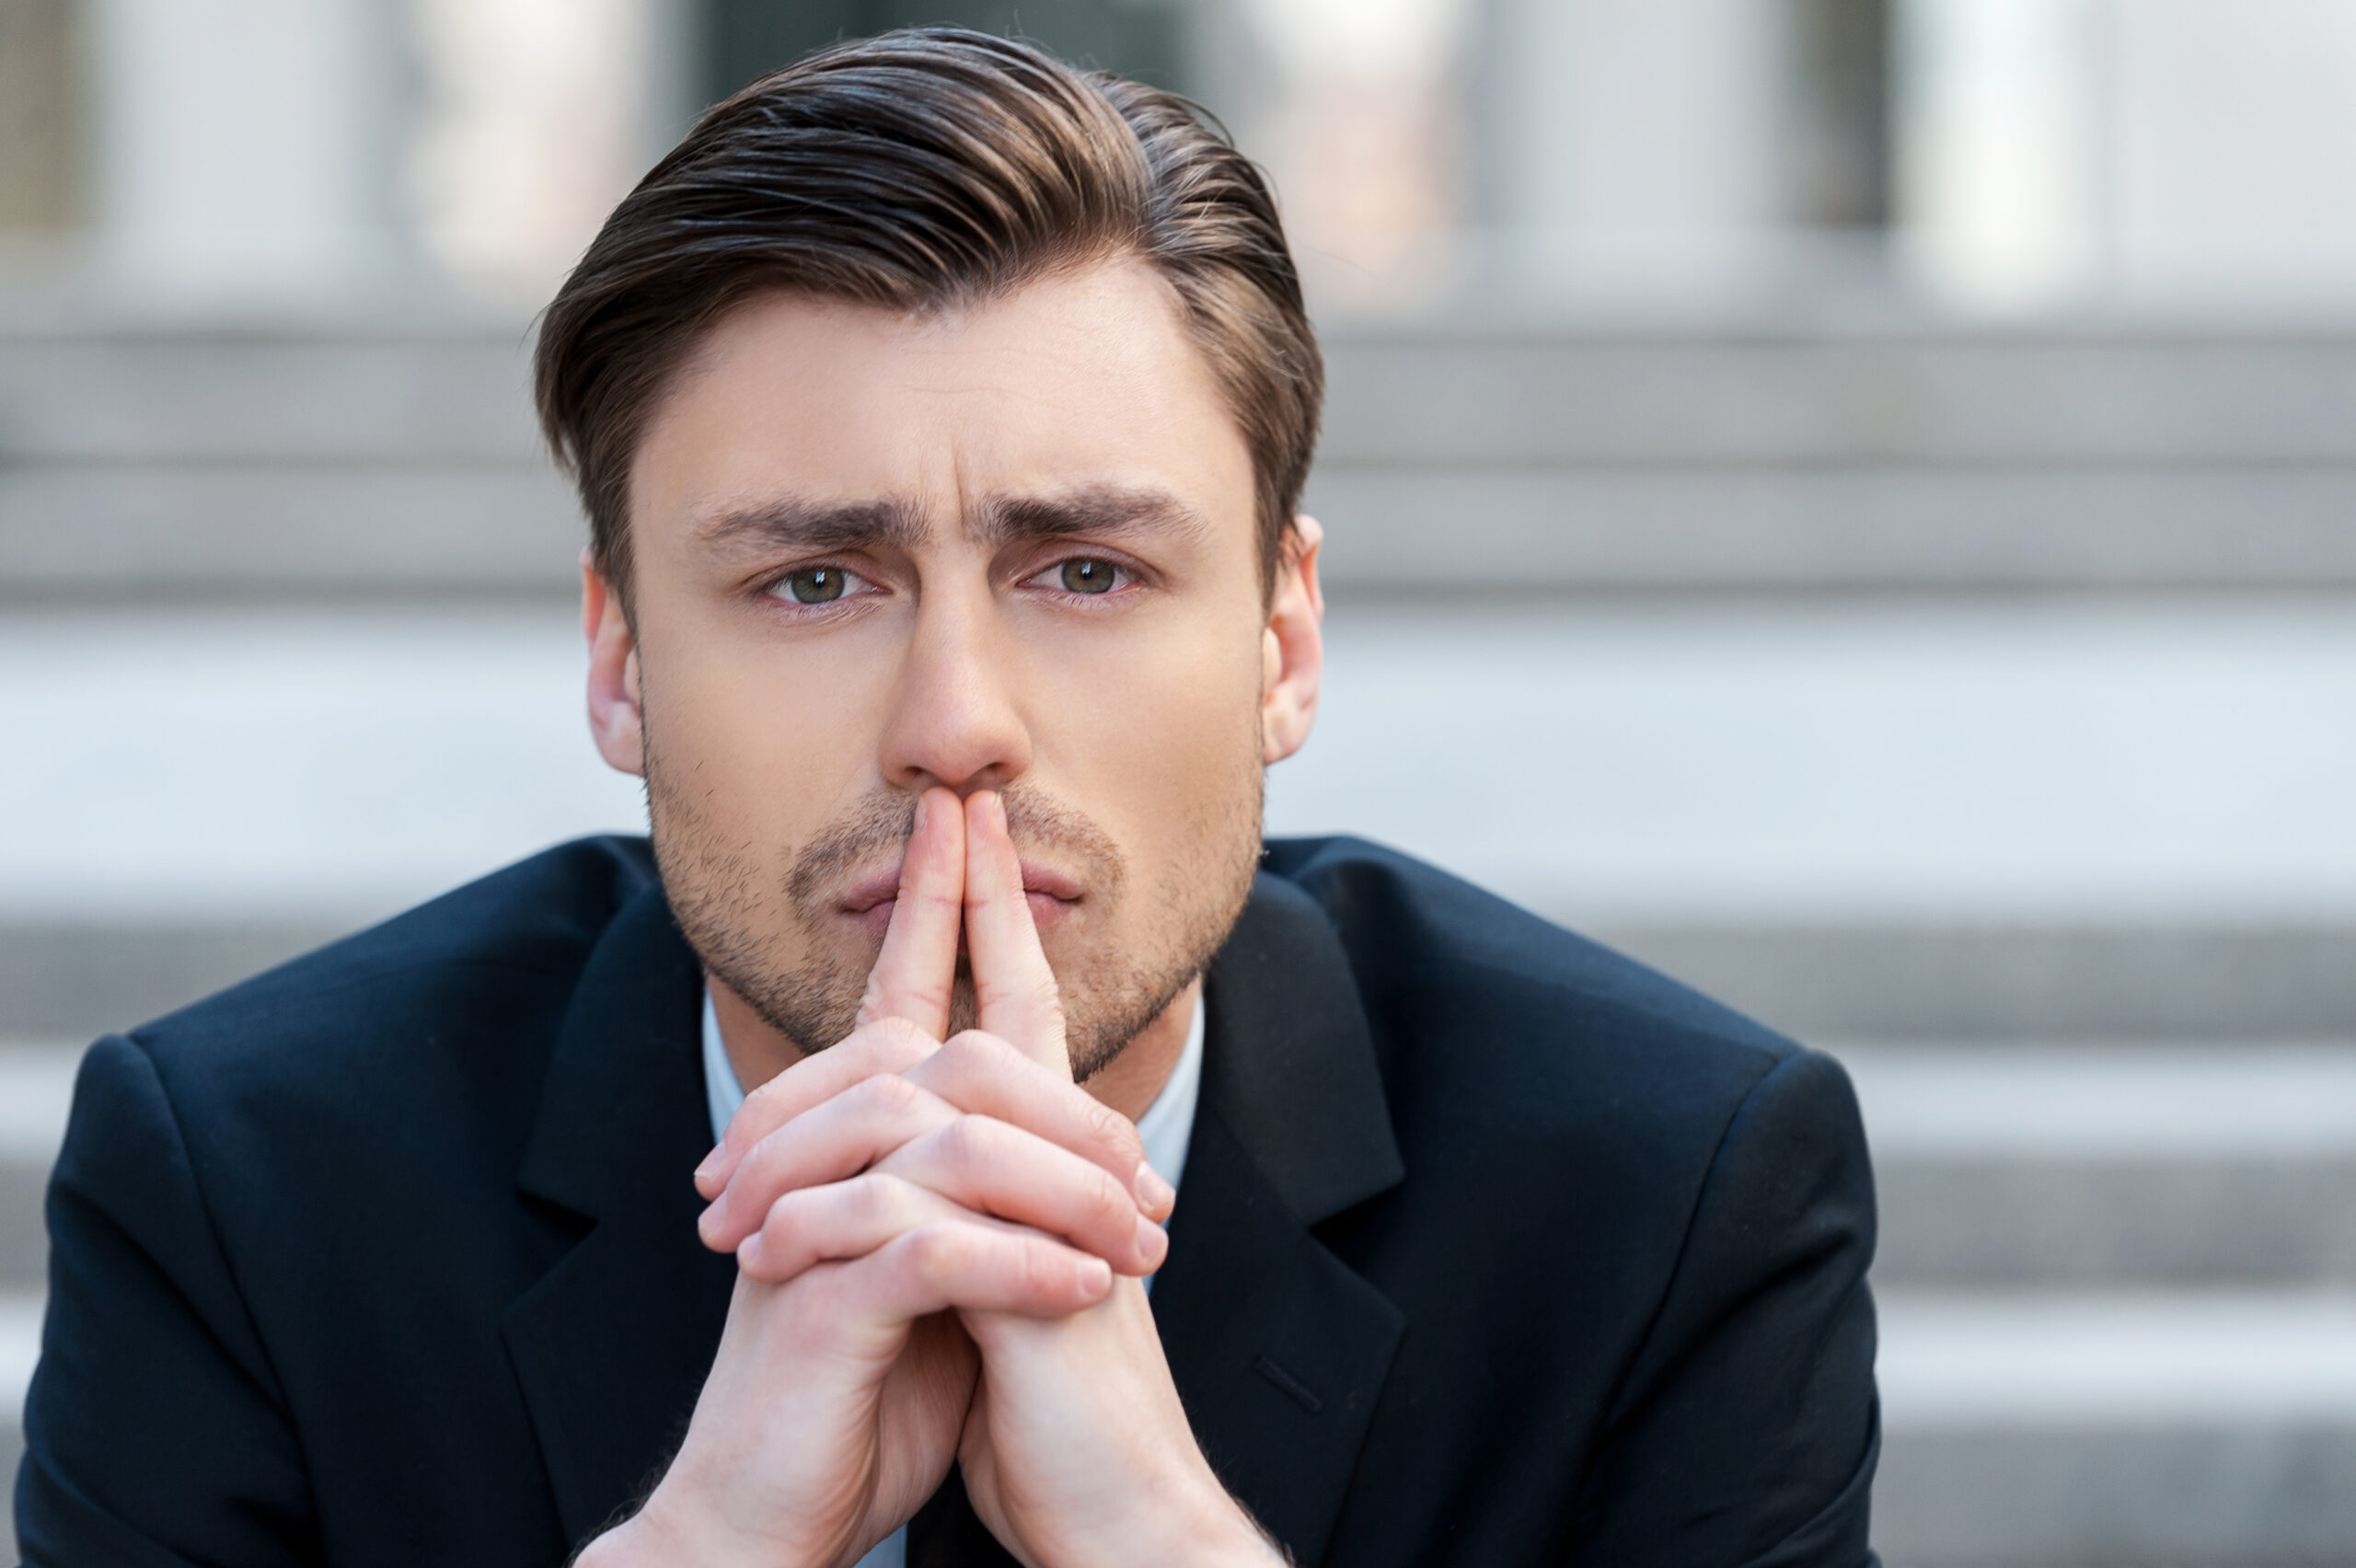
(780, 591)
(1125, 577)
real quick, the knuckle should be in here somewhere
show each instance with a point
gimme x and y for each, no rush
(979, 1051)
(938, 1252)
(966, 1140)
(887, 1093)
(1107, 1203)
(901, 1039)
(1107, 1126)
(788, 1208)
(884, 1200)
(757, 1170)
(1042, 1269)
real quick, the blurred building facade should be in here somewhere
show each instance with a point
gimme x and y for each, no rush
(1979, 157)
(1880, 473)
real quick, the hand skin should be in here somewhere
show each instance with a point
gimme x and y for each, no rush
(874, 1189)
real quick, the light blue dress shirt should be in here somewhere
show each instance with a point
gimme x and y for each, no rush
(1167, 1127)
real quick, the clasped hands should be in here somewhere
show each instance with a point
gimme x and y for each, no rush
(939, 1250)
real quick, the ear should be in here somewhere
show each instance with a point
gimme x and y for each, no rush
(1292, 649)
(615, 717)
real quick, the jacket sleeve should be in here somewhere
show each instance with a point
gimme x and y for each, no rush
(154, 1429)
(1747, 1429)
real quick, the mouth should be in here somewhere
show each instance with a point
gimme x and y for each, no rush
(868, 901)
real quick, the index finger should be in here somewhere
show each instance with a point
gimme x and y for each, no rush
(1015, 994)
(890, 1046)
(914, 972)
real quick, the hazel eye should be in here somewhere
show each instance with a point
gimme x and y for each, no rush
(1085, 574)
(814, 585)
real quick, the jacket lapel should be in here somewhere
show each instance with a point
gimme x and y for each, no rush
(611, 1345)
(1279, 1348)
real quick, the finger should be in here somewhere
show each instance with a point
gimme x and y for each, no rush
(985, 1165)
(917, 965)
(827, 1143)
(839, 1221)
(946, 1265)
(982, 1073)
(888, 1045)
(1014, 991)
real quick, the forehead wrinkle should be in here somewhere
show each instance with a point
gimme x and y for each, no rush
(1093, 509)
(793, 523)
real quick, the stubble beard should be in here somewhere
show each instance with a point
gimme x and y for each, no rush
(771, 939)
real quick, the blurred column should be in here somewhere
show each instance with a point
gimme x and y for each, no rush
(1636, 144)
(1999, 197)
(40, 111)
(244, 148)
(1365, 138)
(535, 117)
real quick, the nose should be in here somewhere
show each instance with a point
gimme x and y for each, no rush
(955, 717)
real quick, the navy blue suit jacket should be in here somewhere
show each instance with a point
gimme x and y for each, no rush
(1494, 1248)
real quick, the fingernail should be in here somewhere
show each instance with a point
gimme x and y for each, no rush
(711, 1166)
(1153, 1193)
(748, 1255)
(920, 805)
(1095, 1276)
(1152, 1242)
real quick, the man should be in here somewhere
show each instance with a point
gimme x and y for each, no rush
(941, 414)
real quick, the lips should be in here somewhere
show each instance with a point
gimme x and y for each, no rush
(869, 899)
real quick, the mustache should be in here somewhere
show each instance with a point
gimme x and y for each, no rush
(878, 827)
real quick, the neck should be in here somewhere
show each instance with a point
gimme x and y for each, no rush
(759, 1052)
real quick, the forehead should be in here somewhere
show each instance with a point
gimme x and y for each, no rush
(1083, 380)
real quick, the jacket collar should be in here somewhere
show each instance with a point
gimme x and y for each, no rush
(611, 1345)
(1279, 1349)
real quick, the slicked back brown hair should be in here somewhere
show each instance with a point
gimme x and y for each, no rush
(920, 171)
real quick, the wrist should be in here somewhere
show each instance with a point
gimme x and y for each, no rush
(1222, 1532)
(672, 1532)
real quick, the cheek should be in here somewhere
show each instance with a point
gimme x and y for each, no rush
(768, 741)
(1145, 737)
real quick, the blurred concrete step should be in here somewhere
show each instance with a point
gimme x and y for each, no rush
(2047, 1430)
(2058, 1224)
(19, 1348)
(76, 976)
(36, 1092)
(1938, 982)
(401, 455)
(2085, 1432)
(398, 456)
(1948, 822)
(1996, 1167)
(76, 979)
(2112, 1166)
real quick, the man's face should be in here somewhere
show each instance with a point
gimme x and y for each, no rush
(1008, 548)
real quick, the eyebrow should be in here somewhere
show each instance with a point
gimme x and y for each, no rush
(814, 526)
(1097, 509)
